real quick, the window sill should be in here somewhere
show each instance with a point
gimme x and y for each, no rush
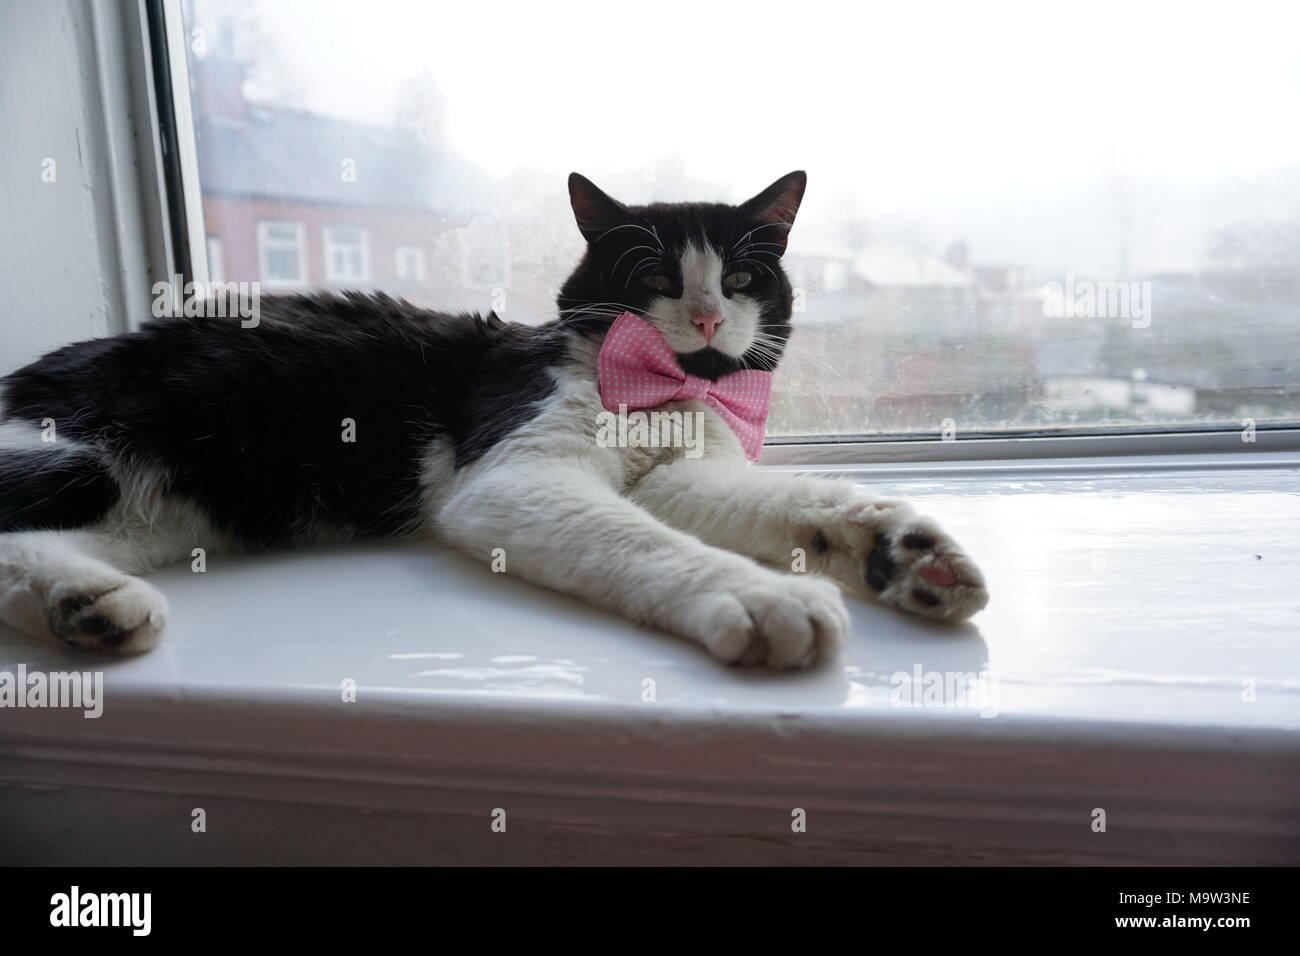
(1265, 447)
(1128, 611)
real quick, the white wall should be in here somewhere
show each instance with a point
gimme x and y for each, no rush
(74, 251)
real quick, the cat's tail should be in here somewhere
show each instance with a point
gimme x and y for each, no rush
(53, 486)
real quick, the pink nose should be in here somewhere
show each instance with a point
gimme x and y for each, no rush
(707, 324)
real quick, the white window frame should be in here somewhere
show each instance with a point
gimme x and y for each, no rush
(216, 259)
(417, 254)
(264, 243)
(1191, 447)
(331, 246)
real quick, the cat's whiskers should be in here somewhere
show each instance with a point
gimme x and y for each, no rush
(652, 232)
(654, 254)
(761, 265)
(765, 225)
(815, 361)
(766, 349)
(611, 309)
(637, 268)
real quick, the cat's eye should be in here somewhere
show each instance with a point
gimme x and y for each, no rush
(658, 281)
(737, 281)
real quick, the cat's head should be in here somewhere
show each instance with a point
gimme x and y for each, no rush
(706, 275)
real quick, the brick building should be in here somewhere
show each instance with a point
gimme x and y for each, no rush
(297, 200)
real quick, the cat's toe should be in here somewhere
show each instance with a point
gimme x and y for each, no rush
(127, 616)
(916, 567)
(779, 623)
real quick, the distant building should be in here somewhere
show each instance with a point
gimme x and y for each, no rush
(297, 200)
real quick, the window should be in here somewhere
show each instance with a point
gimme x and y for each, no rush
(282, 253)
(346, 257)
(1059, 221)
(410, 263)
(216, 260)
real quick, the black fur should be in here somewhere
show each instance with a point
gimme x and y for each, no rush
(53, 486)
(610, 271)
(918, 541)
(880, 566)
(247, 423)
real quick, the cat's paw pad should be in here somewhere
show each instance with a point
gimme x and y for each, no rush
(779, 622)
(914, 566)
(126, 615)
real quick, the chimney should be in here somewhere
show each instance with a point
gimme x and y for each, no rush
(217, 78)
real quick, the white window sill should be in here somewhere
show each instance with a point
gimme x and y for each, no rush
(1127, 611)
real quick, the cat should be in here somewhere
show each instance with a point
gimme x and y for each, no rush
(202, 433)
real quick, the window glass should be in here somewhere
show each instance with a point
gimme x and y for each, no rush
(345, 254)
(410, 263)
(1020, 217)
(281, 253)
(216, 260)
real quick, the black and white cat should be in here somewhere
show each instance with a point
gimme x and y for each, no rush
(200, 433)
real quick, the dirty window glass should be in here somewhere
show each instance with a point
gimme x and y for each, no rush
(1019, 216)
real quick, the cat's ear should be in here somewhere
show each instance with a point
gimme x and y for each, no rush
(776, 206)
(596, 212)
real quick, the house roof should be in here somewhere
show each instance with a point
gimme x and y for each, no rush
(892, 264)
(294, 155)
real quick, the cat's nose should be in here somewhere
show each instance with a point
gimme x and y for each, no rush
(707, 324)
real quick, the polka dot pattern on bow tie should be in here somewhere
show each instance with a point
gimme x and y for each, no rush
(638, 369)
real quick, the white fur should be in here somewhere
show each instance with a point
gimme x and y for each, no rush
(768, 515)
(557, 503)
(674, 542)
(702, 294)
(70, 584)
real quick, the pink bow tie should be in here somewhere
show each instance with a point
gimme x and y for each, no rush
(638, 369)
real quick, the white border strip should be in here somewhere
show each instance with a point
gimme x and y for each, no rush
(192, 198)
(1220, 448)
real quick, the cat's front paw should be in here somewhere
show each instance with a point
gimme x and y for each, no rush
(883, 549)
(121, 614)
(916, 567)
(771, 620)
